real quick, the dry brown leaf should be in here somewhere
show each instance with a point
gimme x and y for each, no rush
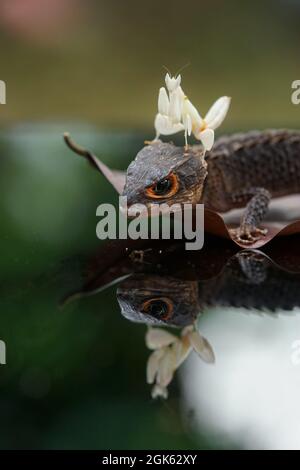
(283, 218)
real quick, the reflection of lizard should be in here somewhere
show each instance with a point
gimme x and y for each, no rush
(249, 280)
(243, 170)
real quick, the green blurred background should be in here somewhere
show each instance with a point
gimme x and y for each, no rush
(75, 377)
(101, 62)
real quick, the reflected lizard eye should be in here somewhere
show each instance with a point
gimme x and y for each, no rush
(163, 188)
(159, 307)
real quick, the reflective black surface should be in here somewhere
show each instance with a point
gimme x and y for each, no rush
(76, 367)
(255, 294)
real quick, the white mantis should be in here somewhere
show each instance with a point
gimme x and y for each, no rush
(176, 113)
(169, 352)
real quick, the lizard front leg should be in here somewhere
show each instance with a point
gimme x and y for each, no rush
(258, 202)
(254, 266)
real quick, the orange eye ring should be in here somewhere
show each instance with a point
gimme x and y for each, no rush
(164, 188)
(160, 307)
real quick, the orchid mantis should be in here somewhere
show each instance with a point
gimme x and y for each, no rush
(176, 113)
(169, 352)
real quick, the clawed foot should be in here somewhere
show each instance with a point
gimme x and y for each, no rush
(250, 254)
(247, 235)
(254, 265)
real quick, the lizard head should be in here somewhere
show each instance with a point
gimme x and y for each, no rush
(164, 173)
(159, 300)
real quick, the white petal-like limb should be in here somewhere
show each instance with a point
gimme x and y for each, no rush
(217, 112)
(207, 138)
(189, 109)
(187, 122)
(158, 338)
(167, 367)
(187, 329)
(164, 125)
(172, 82)
(201, 346)
(163, 101)
(175, 107)
(159, 392)
(153, 365)
(182, 349)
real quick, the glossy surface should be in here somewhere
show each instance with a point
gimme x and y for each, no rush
(76, 367)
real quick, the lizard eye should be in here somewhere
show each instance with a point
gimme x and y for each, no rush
(159, 307)
(163, 188)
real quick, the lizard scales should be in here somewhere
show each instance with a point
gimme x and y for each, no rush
(258, 159)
